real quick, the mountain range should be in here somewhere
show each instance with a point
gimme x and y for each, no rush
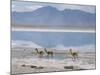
(49, 16)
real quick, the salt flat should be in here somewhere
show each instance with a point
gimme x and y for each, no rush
(27, 61)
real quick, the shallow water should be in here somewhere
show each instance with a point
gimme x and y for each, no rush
(21, 54)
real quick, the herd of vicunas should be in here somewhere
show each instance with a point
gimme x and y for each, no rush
(51, 53)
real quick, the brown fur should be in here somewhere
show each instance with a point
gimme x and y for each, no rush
(40, 53)
(49, 53)
(74, 54)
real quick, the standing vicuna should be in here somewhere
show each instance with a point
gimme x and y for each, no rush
(74, 54)
(49, 53)
(40, 53)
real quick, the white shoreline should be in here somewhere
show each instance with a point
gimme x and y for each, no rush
(44, 29)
